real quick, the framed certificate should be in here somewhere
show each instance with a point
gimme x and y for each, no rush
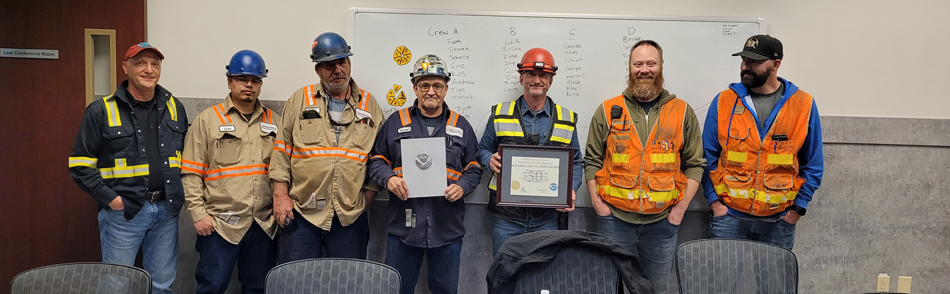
(535, 176)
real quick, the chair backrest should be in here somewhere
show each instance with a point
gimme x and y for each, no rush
(575, 270)
(735, 266)
(333, 275)
(82, 277)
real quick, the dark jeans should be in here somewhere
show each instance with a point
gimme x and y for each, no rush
(504, 229)
(303, 240)
(778, 233)
(254, 255)
(654, 243)
(443, 265)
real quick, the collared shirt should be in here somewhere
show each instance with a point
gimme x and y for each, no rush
(539, 123)
(224, 169)
(432, 221)
(147, 120)
(325, 174)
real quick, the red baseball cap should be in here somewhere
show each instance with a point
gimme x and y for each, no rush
(135, 49)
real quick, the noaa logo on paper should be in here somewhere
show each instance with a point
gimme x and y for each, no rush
(553, 186)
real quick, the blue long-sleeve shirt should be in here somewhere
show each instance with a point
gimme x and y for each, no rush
(539, 123)
(810, 156)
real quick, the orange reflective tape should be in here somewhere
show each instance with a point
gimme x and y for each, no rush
(453, 119)
(218, 112)
(194, 163)
(237, 175)
(383, 158)
(237, 168)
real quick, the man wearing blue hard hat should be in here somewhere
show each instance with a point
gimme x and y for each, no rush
(227, 191)
(318, 165)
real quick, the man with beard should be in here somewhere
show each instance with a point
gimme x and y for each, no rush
(320, 155)
(224, 173)
(643, 164)
(426, 226)
(532, 119)
(762, 142)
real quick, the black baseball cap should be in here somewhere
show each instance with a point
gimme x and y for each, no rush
(761, 47)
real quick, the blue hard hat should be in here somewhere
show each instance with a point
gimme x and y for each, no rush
(329, 46)
(247, 62)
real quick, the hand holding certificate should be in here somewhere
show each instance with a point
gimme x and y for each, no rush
(535, 176)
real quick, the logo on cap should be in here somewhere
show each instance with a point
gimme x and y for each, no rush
(425, 66)
(314, 44)
(752, 42)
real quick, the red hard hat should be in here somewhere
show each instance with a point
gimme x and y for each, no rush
(537, 58)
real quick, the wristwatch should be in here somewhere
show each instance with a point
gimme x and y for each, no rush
(798, 209)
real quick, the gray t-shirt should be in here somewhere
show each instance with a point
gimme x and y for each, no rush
(335, 108)
(431, 123)
(764, 103)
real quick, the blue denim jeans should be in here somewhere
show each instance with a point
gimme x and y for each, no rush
(303, 240)
(654, 243)
(254, 255)
(778, 233)
(154, 229)
(504, 229)
(443, 263)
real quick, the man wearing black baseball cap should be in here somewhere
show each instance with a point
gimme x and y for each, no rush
(127, 155)
(762, 142)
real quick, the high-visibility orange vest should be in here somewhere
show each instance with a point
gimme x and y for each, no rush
(760, 176)
(643, 179)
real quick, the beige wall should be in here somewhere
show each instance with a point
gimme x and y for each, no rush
(859, 58)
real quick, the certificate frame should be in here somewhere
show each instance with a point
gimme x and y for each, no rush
(565, 169)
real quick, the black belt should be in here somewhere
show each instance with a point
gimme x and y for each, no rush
(155, 197)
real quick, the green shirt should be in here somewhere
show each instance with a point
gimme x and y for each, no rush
(691, 156)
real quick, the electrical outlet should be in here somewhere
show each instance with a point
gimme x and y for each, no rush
(883, 283)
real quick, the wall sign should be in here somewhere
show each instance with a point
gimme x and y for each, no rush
(29, 53)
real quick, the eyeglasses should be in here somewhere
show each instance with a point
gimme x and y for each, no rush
(244, 79)
(436, 87)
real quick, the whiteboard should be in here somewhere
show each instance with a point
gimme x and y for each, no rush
(591, 52)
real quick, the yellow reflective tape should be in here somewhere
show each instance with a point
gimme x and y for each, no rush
(621, 157)
(112, 112)
(564, 127)
(120, 162)
(780, 159)
(572, 117)
(560, 140)
(509, 134)
(657, 196)
(172, 109)
(122, 171)
(721, 189)
(663, 157)
(620, 192)
(508, 121)
(82, 161)
(737, 156)
(511, 108)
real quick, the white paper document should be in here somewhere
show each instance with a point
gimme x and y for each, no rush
(423, 166)
(534, 176)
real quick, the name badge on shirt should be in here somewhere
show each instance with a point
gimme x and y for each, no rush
(226, 128)
(454, 131)
(404, 130)
(363, 114)
(268, 128)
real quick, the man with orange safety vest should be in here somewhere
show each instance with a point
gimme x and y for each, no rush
(762, 142)
(224, 174)
(319, 161)
(644, 162)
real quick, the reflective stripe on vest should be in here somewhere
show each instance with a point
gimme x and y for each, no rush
(507, 125)
(328, 152)
(175, 161)
(311, 92)
(194, 166)
(122, 171)
(112, 111)
(406, 119)
(643, 179)
(755, 174)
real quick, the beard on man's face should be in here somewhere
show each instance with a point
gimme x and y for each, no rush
(333, 88)
(750, 79)
(645, 86)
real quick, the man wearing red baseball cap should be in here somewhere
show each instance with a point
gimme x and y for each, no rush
(127, 155)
